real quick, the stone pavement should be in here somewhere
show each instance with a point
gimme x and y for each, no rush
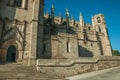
(107, 74)
(13, 71)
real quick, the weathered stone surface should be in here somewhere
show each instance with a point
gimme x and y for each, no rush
(19, 27)
(13, 71)
(70, 67)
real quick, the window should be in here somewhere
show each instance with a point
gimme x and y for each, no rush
(99, 28)
(44, 47)
(17, 3)
(91, 44)
(89, 28)
(98, 20)
(85, 35)
(68, 46)
(84, 30)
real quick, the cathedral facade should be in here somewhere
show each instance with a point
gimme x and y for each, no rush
(27, 34)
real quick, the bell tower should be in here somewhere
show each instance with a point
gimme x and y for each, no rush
(100, 27)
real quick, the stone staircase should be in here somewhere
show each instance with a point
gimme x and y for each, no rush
(14, 71)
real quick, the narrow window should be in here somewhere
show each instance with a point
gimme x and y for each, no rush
(11, 2)
(17, 3)
(89, 28)
(84, 30)
(44, 47)
(85, 35)
(91, 44)
(99, 28)
(98, 20)
(68, 47)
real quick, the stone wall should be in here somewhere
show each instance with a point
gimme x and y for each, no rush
(64, 45)
(89, 48)
(92, 38)
(69, 67)
(11, 12)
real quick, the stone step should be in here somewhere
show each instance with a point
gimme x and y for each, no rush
(13, 71)
(17, 68)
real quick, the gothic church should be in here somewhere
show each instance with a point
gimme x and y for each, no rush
(27, 34)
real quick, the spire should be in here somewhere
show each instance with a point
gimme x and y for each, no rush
(52, 13)
(67, 18)
(67, 12)
(72, 18)
(47, 14)
(60, 18)
(81, 19)
(73, 21)
(52, 6)
(60, 14)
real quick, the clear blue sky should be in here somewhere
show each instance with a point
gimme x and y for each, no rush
(110, 9)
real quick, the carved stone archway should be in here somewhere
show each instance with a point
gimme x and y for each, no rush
(6, 45)
(11, 54)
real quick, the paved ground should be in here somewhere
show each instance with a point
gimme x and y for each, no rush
(108, 74)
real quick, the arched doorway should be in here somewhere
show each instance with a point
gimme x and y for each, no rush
(11, 54)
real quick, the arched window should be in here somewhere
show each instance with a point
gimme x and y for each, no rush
(98, 20)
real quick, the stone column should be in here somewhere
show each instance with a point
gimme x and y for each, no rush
(24, 3)
(34, 31)
(33, 56)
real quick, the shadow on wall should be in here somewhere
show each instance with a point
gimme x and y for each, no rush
(54, 29)
(7, 11)
(83, 52)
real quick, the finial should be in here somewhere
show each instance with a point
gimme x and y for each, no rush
(73, 21)
(46, 11)
(52, 11)
(47, 14)
(72, 18)
(59, 14)
(52, 6)
(60, 18)
(66, 9)
(67, 12)
(80, 14)
(81, 19)
(67, 18)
